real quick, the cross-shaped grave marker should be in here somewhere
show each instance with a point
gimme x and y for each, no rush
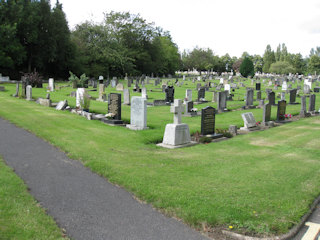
(177, 109)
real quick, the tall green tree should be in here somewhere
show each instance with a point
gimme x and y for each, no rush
(246, 67)
(268, 59)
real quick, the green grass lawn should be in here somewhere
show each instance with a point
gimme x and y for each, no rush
(20, 215)
(260, 183)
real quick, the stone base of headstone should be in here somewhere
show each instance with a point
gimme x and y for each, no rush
(294, 103)
(233, 130)
(221, 111)
(250, 129)
(112, 122)
(2, 89)
(214, 136)
(136, 128)
(249, 107)
(200, 102)
(161, 103)
(176, 136)
(268, 124)
(192, 114)
(44, 102)
(97, 116)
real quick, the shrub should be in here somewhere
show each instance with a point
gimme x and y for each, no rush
(247, 68)
(282, 67)
(34, 79)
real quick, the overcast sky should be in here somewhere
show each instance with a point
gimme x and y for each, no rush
(225, 26)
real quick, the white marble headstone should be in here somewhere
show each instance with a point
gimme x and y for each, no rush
(79, 96)
(51, 84)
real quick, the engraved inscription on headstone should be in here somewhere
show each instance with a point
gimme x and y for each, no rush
(208, 120)
(114, 105)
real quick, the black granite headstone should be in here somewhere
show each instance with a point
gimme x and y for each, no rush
(208, 121)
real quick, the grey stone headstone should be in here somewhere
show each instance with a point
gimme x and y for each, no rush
(62, 105)
(312, 103)
(303, 110)
(266, 115)
(119, 87)
(113, 83)
(201, 93)
(17, 90)
(249, 120)
(29, 93)
(138, 118)
(189, 106)
(258, 86)
(222, 101)
(293, 95)
(208, 121)
(249, 97)
(283, 96)
(233, 130)
(126, 96)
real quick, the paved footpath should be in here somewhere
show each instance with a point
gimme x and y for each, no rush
(83, 203)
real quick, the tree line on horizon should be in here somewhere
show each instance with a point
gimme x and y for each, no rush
(35, 37)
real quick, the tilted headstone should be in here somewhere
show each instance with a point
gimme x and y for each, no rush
(126, 96)
(62, 105)
(281, 110)
(138, 120)
(29, 93)
(208, 115)
(249, 120)
(312, 103)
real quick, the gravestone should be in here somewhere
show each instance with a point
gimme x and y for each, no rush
(227, 88)
(283, 96)
(306, 89)
(303, 110)
(23, 89)
(208, 116)
(129, 83)
(312, 103)
(79, 97)
(44, 102)
(62, 105)
(17, 90)
(258, 95)
(222, 101)
(51, 84)
(101, 89)
(119, 87)
(169, 94)
(293, 96)
(188, 95)
(176, 134)
(201, 94)
(258, 86)
(160, 103)
(198, 86)
(189, 109)
(163, 87)
(266, 114)
(214, 96)
(126, 96)
(249, 121)
(94, 83)
(249, 98)
(272, 98)
(114, 105)
(29, 93)
(144, 93)
(261, 103)
(281, 110)
(316, 89)
(138, 119)
(284, 86)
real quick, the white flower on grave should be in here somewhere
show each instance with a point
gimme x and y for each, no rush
(110, 115)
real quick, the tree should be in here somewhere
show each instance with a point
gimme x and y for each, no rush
(268, 58)
(257, 62)
(282, 67)
(314, 64)
(246, 67)
(236, 65)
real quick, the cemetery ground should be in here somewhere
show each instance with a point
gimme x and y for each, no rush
(21, 217)
(259, 184)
